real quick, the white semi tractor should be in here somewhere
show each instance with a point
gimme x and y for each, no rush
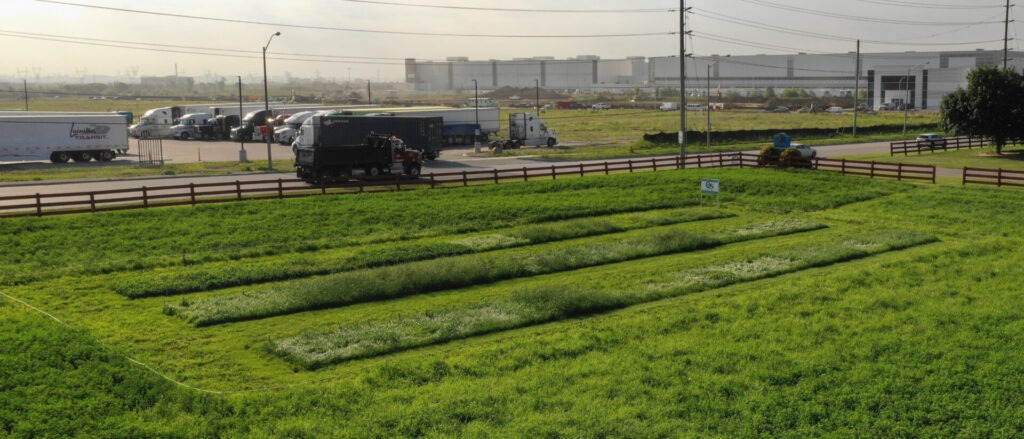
(62, 137)
(156, 123)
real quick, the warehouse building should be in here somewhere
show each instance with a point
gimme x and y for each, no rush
(916, 79)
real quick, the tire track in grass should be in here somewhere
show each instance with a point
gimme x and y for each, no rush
(188, 279)
(558, 301)
(460, 271)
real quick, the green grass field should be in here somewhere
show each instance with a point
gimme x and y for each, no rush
(807, 305)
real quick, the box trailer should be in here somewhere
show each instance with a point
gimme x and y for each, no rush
(423, 134)
(63, 137)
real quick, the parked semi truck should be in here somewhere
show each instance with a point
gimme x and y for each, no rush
(460, 124)
(417, 133)
(157, 122)
(62, 137)
(331, 159)
(526, 129)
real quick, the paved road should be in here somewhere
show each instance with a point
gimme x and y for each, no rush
(457, 159)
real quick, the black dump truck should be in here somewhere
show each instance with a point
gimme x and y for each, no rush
(376, 155)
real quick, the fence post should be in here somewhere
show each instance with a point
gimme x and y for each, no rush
(465, 182)
(700, 163)
(933, 174)
(238, 189)
(679, 163)
(630, 161)
(526, 175)
(842, 168)
(654, 165)
(280, 188)
(145, 197)
(432, 180)
(606, 167)
(963, 180)
(495, 175)
(552, 172)
(192, 193)
(872, 169)
(39, 204)
(92, 202)
(720, 161)
(740, 155)
(581, 169)
(899, 171)
(999, 177)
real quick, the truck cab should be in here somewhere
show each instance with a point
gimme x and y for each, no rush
(188, 126)
(251, 124)
(530, 130)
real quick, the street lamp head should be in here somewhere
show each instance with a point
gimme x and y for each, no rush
(277, 34)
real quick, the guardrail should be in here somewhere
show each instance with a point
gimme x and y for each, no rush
(201, 193)
(993, 177)
(907, 146)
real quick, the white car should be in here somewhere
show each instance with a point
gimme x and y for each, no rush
(601, 106)
(931, 140)
(834, 110)
(805, 151)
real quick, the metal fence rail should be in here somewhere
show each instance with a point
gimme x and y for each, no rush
(906, 147)
(200, 193)
(993, 177)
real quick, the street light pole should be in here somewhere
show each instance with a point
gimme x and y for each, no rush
(243, 156)
(536, 83)
(476, 113)
(266, 101)
(906, 79)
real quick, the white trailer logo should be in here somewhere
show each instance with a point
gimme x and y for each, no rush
(89, 132)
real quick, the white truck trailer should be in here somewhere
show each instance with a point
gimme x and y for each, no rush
(62, 137)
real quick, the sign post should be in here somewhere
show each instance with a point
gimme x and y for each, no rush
(709, 187)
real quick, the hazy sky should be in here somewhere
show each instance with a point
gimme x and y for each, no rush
(43, 38)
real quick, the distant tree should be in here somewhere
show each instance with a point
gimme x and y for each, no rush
(992, 106)
(769, 92)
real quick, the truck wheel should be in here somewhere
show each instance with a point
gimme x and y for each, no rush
(184, 136)
(551, 142)
(82, 156)
(373, 171)
(60, 157)
(145, 134)
(413, 170)
(105, 156)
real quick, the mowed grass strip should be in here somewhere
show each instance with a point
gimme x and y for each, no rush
(460, 271)
(558, 301)
(215, 275)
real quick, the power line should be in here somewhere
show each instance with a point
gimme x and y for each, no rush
(859, 18)
(791, 31)
(930, 5)
(473, 8)
(344, 29)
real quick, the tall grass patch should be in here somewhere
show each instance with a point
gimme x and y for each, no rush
(559, 301)
(445, 273)
(213, 275)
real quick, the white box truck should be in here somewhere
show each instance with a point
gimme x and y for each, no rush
(62, 137)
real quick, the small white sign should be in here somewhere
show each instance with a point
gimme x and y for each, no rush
(709, 186)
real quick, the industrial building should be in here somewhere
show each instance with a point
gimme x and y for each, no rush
(917, 79)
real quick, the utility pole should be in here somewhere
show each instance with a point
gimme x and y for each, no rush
(709, 106)
(25, 81)
(536, 83)
(856, 90)
(682, 83)
(1006, 35)
(243, 156)
(369, 97)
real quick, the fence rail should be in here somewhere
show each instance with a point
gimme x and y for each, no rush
(993, 177)
(201, 193)
(906, 147)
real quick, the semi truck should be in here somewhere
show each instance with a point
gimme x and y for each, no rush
(525, 129)
(204, 126)
(460, 124)
(62, 137)
(157, 122)
(331, 159)
(417, 133)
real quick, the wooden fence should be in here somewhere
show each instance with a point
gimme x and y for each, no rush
(993, 177)
(908, 146)
(200, 193)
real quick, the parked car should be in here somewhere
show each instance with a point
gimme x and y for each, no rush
(601, 106)
(834, 110)
(669, 106)
(931, 140)
(781, 110)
